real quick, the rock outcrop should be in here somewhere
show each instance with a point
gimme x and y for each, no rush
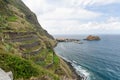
(91, 38)
(5, 76)
(67, 40)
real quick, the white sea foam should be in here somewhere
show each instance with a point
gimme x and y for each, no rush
(64, 58)
(74, 62)
(82, 72)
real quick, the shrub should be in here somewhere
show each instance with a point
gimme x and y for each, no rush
(21, 68)
(12, 18)
(7, 1)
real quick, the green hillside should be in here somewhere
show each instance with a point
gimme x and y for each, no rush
(26, 48)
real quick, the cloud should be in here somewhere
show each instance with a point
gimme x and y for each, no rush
(113, 19)
(70, 13)
(48, 11)
(38, 6)
(103, 2)
(84, 3)
(75, 27)
(72, 17)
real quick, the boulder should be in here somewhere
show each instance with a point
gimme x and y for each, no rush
(5, 76)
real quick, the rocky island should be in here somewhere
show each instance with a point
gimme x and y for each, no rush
(92, 38)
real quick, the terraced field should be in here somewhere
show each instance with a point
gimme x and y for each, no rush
(29, 44)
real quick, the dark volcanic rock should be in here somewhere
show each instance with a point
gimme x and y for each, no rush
(91, 38)
(67, 40)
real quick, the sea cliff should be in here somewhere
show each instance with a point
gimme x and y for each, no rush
(26, 48)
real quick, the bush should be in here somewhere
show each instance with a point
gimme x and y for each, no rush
(56, 60)
(21, 68)
(12, 18)
(7, 1)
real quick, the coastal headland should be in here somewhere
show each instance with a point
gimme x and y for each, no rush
(69, 40)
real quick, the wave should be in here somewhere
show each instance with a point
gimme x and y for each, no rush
(81, 71)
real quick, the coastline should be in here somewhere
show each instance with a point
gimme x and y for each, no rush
(74, 74)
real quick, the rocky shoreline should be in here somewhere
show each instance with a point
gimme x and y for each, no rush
(69, 40)
(73, 70)
(66, 40)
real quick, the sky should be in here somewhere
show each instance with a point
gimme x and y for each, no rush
(77, 16)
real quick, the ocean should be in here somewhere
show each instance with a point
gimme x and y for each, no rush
(97, 60)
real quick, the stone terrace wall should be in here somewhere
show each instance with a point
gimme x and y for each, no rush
(28, 46)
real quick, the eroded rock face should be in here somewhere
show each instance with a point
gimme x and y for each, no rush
(5, 76)
(91, 38)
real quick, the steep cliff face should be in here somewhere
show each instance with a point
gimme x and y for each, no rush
(30, 17)
(26, 48)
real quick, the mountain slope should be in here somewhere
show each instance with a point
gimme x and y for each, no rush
(26, 48)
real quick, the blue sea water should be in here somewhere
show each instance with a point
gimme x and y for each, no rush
(97, 60)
